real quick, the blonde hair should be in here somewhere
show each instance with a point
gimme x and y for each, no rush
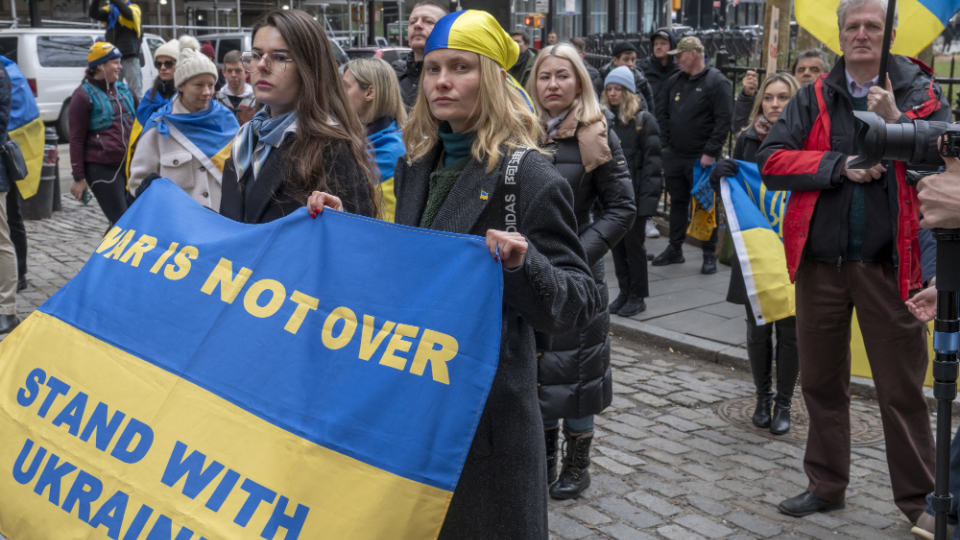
(785, 78)
(377, 73)
(629, 106)
(585, 107)
(500, 117)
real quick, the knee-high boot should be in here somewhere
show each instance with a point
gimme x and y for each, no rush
(760, 352)
(788, 370)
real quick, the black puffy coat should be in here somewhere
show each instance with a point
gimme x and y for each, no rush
(640, 141)
(574, 368)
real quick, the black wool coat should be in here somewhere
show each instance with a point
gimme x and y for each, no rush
(502, 493)
(574, 376)
(271, 196)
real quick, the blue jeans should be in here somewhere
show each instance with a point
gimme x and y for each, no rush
(573, 425)
(952, 515)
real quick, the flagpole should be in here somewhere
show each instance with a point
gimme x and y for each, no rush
(885, 50)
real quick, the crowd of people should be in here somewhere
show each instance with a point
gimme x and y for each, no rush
(556, 163)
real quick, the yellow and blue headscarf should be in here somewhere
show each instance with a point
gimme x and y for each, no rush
(102, 52)
(477, 31)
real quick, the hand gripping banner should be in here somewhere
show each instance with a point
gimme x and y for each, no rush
(201, 378)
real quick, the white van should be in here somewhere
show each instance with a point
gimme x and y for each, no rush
(54, 59)
(240, 41)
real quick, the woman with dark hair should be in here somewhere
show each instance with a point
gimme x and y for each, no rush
(468, 126)
(306, 136)
(774, 93)
(101, 116)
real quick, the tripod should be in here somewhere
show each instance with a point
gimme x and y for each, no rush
(946, 342)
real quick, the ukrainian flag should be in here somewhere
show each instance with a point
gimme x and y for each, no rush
(203, 378)
(920, 22)
(755, 217)
(207, 134)
(25, 127)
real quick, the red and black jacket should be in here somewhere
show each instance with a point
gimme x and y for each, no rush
(805, 151)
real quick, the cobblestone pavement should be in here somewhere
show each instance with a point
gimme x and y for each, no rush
(665, 466)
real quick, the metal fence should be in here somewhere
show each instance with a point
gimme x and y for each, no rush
(740, 45)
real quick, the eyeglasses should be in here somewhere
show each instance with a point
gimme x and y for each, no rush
(250, 61)
(165, 64)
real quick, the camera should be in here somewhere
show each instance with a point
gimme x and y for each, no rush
(914, 144)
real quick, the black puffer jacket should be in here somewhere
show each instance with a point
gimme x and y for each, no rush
(408, 75)
(574, 368)
(640, 141)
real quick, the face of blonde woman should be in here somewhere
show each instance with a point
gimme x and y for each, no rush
(196, 93)
(358, 97)
(557, 84)
(451, 81)
(775, 98)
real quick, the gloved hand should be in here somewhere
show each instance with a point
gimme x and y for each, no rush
(153, 176)
(724, 168)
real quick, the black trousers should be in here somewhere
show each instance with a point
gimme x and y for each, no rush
(630, 260)
(18, 232)
(108, 182)
(678, 175)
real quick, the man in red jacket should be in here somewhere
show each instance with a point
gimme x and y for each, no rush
(851, 242)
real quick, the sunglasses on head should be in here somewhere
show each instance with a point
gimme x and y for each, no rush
(166, 64)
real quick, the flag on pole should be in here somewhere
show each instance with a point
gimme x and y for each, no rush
(207, 379)
(25, 127)
(755, 217)
(920, 22)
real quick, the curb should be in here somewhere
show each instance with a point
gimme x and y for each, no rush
(726, 355)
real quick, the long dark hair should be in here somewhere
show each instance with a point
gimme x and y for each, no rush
(324, 116)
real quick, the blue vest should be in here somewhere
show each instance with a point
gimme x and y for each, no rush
(102, 115)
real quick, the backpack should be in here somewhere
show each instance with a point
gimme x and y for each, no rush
(102, 115)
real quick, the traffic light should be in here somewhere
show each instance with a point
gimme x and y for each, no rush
(533, 21)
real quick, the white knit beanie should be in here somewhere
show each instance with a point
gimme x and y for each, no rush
(173, 47)
(191, 64)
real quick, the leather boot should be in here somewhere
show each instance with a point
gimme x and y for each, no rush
(780, 422)
(552, 436)
(575, 475)
(8, 323)
(761, 415)
(760, 353)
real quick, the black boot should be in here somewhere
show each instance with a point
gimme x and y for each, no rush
(552, 437)
(618, 303)
(575, 476)
(634, 305)
(761, 415)
(671, 255)
(709, 263)
(8, 323)
(760, 353)
(780, 423)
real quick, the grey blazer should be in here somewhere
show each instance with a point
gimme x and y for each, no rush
(502, 493)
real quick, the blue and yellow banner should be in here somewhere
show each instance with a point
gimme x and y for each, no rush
(25, 127)
(202, 378)
(703, 219)
(920, 22)
(755, 217)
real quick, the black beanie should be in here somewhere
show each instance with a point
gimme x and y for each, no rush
(622, 47)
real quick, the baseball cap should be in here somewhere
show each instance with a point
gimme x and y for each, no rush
(689, 43)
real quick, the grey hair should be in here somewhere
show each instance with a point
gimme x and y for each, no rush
(848, 4)
(811, 53)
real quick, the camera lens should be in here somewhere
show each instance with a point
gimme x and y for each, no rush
(913, 143)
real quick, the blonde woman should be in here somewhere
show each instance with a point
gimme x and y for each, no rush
(574, 369)
(775, 92)
(467, 124)
(639, 137)
(374, 92)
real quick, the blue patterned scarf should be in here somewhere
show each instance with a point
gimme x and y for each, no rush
(258, 137)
